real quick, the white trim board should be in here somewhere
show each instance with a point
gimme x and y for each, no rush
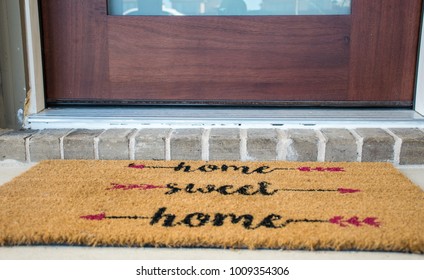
(419, 90)
(35, 101)
(133, 117)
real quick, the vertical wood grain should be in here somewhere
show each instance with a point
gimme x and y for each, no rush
(75, 48)
(384, 44)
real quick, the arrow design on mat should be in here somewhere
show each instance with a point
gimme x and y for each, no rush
(354, 221)
(102, 216)
(142, 187)
(339, 190)
(248, 221)
(208, 168)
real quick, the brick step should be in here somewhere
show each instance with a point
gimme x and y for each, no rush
(402, 146)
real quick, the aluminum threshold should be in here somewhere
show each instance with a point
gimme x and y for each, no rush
(139, 117)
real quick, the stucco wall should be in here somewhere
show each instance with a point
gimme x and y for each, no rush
(2, 115)
(12, 64)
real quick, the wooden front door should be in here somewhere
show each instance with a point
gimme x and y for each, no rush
(365, 58)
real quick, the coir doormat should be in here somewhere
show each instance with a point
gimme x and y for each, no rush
(278, 205)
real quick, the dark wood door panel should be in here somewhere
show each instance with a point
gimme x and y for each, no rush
(246, 58)
(384, 49)
(75, 49)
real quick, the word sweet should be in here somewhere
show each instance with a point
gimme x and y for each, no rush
(248, 190)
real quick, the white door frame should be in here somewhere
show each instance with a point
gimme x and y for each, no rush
(35, 101)
(419, 89)
(35, 96)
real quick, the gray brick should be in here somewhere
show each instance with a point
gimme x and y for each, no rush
(412, 150)
(378, 145)
(46, 144)
(341, 145)
(79, 144)
(303, 146)
(224, 144)
(12, 144)
(262, 144)
(114, 144)
(186, 144)
(150, 144)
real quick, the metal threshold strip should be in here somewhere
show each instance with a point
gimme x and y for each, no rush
(139, 117)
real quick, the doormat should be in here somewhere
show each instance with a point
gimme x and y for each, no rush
(275, 205)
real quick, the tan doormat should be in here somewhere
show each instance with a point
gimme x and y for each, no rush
(278, 205)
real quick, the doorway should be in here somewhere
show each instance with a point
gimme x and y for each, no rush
(363, 54)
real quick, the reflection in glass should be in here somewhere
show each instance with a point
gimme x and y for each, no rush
(228, 7)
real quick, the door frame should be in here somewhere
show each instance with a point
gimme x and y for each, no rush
(35, 99)
(419, 80)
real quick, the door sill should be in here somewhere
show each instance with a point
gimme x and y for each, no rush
(139, 117)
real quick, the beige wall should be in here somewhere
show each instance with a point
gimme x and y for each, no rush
(12, 61)
(2, 114)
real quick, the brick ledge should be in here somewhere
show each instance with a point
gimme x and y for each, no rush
(401, 146)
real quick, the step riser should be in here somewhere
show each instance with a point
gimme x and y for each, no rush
(403, 146)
